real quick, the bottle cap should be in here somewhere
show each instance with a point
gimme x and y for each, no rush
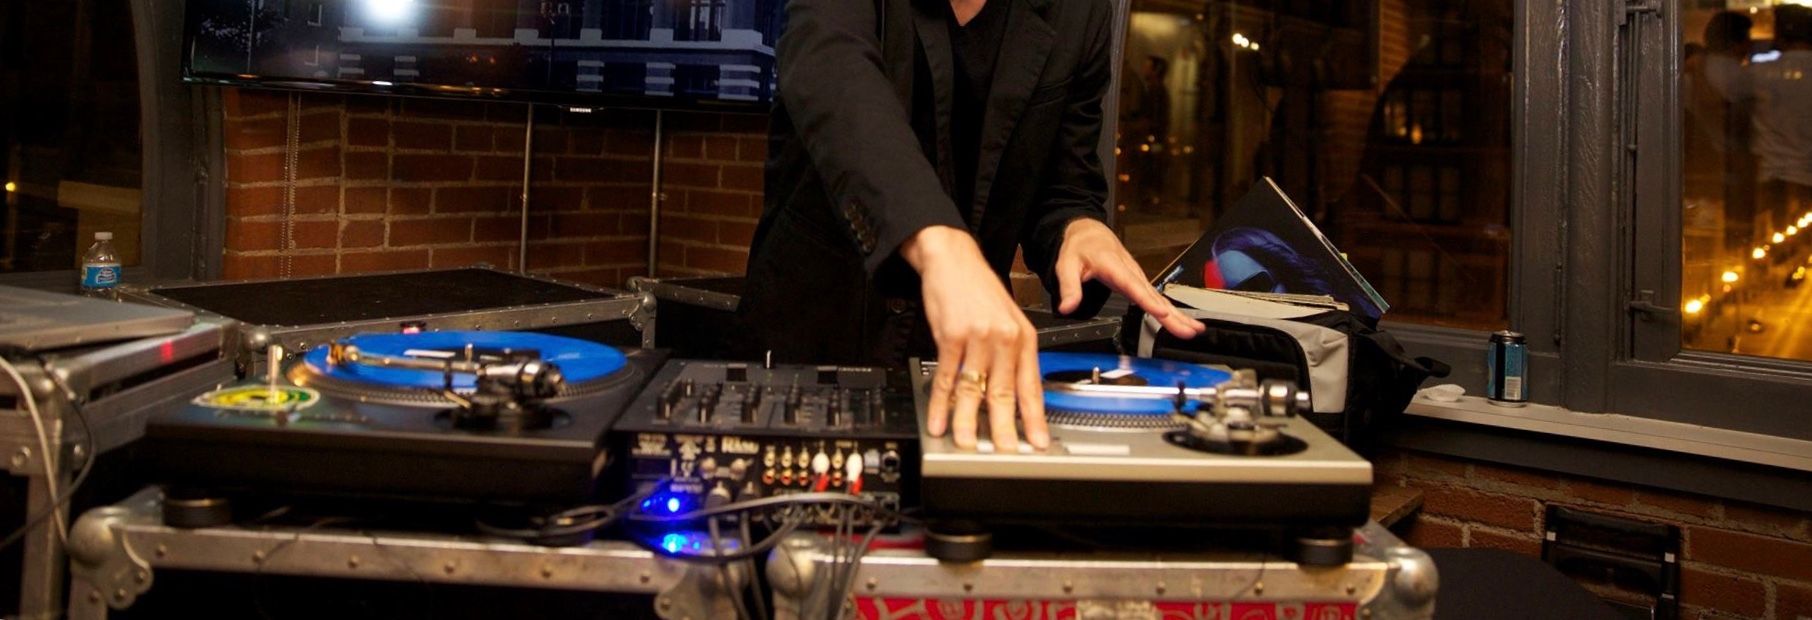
(103, 236)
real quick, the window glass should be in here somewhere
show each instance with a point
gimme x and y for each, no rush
(1746, 183)
(1387, 121)
(69, 141)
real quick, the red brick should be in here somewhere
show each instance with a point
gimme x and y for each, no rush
(1524, 544)
(595, 277)
(1597, 493)
(1431, 533)
(1766, 520)
(620, 197)
(685, 146)
(367, 131)
(541, 169)
(671, 253)
(314, 234)
(259, 168)
(499, 168)
(432, 167)
(502, 257)
(472, 137)
(253, 102)
(255, 133)
(717, 259)
(632, 143)
(365, 200)
(362, 234)
(491, 229)
(746, 178)
(1513, 513)
(550, 139)
(430, 231)
(681, 174)
(367, 166)
(318, 163)
(1735, 595)
(1762, 555)
(735, 233)
(722, 203)
(585, 141)
(616, 252)
(551, 255)
(1792, 601)
(546, 198)
(633, 224)
(430, 135)
(1671, 504)
(249, 236)
(304, 265)
(720, 148)
(507, 139)
(1420, 466)
(579, 169)
(752, 149)
(1516, 476)
(384, 260)
(236, 266)
(688, 228)
(473, 199)
(320, 126)
(584, 224)
(253, 201)
(317, 200)
(410, 200)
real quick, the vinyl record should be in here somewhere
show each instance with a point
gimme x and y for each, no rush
(580, 361)
(1123, 370)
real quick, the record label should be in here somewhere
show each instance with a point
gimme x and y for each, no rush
(260, 398)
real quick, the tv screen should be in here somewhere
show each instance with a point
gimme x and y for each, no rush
(577, 52)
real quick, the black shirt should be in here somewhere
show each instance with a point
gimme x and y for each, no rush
(974, 46)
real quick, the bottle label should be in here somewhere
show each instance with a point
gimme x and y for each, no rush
(101, 275)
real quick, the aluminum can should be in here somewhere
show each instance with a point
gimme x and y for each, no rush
(1507, 369)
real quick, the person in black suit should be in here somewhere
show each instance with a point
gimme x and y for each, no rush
(914, 145)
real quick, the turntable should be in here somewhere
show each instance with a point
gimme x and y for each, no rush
(1142, 442)
(493, 417)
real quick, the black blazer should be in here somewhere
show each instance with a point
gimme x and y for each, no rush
(859, 160)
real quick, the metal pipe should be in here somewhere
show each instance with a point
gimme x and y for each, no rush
(655, 198)
(528, 157)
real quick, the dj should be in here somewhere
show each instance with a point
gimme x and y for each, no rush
(915, 144)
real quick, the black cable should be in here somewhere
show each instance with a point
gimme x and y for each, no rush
(761, 598)
(81, 475)
(753, 551)
(736, 593)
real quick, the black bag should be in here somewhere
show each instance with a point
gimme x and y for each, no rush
(1358, 376)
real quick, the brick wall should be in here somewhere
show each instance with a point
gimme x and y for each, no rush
(1740, 560)
(388, 183)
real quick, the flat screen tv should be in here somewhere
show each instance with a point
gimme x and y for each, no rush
(645, 53)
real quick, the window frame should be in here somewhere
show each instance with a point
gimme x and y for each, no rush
(182, 225)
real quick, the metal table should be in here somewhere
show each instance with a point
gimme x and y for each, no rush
(116, 550)
(1386, 580)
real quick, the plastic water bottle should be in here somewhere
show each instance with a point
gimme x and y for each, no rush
(101, 268)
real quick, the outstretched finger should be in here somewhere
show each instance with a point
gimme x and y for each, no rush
(943, 385)
(977, 357)
(1031, 397)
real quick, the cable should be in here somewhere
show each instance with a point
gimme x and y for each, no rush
(81, 476)
(761, 599)
(50, 466)
(781, 500)
(736, 593)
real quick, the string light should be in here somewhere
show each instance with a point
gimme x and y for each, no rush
(1778, 238)
(1694, 306)
(1730, 277)
(1759, 253)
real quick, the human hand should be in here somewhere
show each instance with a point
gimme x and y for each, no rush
(1090, 251)
(987, 350)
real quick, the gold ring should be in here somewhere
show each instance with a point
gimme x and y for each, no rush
(975, 378)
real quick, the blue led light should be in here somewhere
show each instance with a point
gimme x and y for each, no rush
(673, 505)
(673, 542)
